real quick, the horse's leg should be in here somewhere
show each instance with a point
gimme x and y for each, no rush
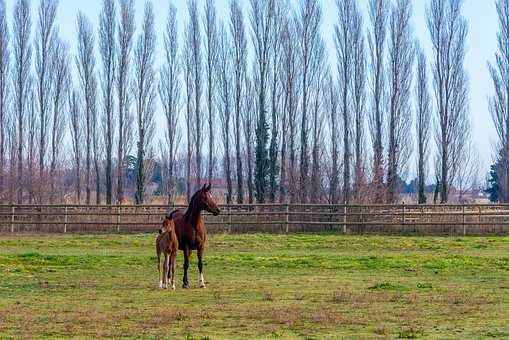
(172, 261)
(166, 268)
(159, 269)
(187, 254)
(200, 267)
(169, 272)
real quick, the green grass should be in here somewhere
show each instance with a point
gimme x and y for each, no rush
(258, 286)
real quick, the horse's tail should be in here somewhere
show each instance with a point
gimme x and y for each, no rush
(170, 215)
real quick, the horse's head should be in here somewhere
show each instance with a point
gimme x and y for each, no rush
(168, 225)
(204, 201)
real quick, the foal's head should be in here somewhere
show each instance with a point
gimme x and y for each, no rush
(202, 200)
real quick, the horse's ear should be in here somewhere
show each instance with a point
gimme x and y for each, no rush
(209, 187)
(204, 187)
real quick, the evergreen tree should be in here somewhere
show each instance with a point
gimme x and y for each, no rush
(493, 189)
(262, 158)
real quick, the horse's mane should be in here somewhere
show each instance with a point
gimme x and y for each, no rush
(190, 207)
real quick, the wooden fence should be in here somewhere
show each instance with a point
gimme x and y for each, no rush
(275, 218)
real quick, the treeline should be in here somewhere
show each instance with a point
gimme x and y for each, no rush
(256, 99)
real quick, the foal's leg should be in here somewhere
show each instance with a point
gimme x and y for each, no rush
(166, 269)
(159, 269)
(172, 264)
(200, 267)
(187, 254)
(169, 272)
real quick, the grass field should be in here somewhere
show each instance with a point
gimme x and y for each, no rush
(258, 286)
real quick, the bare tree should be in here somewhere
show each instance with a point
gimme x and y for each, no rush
(448, 31)
(76, 127)
(422, 123)
(358, 103)
(343, 39)
(249, 112)
(290, 102)
(21, 75)
(193, 36)
(125, 44)
(468, 172)
(308, 35)
(4, 90)
(32, 129)
(332, 105)
(61, 85)
(211, 36)
(344, 33)
(378, 14)
(44, 42)
(239, 69)
(108, 51)
(317, 124)
(460, 146)
(225, 88)
(262, 24)
(189, 85)
(145, 92)
(169, 92)
(401, 56)
(85, 62)
(499, 101)
(12, 140)
(97, 146)
(284, 75)
(168, 185)
(276, 58)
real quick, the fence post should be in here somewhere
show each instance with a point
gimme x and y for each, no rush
(404, 219)
(12, 220)
(344, 218)
(361, 225)
(229, 220)
(287, 217)
(463, 219)
(480, 217)
(118, 219)
(65, 220)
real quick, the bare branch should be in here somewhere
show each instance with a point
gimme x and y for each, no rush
(21, 78)
(169, 93)
(4, 93)
(85, 63)
(145, 93)
(401, 56)
(108, 51)
(125, 44)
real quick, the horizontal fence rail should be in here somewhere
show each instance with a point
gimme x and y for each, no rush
(284, 218)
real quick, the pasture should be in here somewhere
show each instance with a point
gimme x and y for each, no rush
(312, 286)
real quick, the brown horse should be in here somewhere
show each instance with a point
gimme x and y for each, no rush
(190, 228)
(167, 244)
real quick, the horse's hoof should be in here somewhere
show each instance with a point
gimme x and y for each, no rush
(173, 287)
(202, 285)
(185, 286)
(161, 285)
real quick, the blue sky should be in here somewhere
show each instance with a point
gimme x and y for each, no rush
(480, 14)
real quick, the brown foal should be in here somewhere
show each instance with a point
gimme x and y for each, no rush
(167, 243)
